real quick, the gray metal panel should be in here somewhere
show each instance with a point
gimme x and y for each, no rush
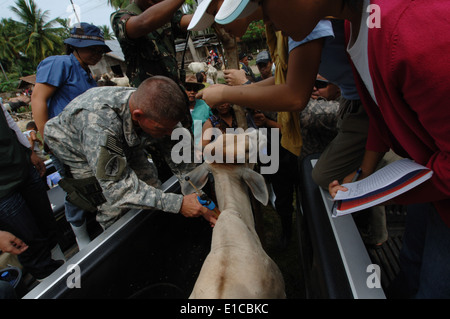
(63, 272)
(354, 253)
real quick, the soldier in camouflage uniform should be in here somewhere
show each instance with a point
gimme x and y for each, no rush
(318, 122)
(146, 31)
(100, 135)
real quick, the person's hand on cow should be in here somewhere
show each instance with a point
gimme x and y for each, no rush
(191, 207)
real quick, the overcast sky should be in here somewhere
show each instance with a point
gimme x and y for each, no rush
(92, 11)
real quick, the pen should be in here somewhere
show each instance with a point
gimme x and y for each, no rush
(358, 172)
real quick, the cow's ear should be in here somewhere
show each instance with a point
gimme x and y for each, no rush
(257, 185)
(198, 177)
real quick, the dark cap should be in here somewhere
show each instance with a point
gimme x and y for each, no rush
(242, 55)
(263, 57)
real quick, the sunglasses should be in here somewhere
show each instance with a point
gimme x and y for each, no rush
(321, 84)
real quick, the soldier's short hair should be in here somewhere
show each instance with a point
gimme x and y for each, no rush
(161, 98)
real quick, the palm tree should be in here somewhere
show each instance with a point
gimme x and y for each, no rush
(107, 33)
(8, 49)
(118, 4)
(12, 61)
(36, 38)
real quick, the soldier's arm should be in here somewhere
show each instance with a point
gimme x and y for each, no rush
(185, 20)
(153, 18)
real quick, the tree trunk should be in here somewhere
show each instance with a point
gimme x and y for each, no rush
(231, 55)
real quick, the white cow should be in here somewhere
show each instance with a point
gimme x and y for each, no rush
(121, 81)
(237, 266)
(109, 80)
(196, 67)
(212, 73)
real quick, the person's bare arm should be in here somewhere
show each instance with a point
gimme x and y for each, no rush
(41, 93)
(185, 20)
(33, 138)
(153, 18)
(206, 126)
(292, 96)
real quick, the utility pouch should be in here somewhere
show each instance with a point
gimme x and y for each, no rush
(85, 193)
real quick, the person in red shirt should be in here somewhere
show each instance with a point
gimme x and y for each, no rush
(398, 50)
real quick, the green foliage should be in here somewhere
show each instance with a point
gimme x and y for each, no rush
(8, 86)
(255, 31)
(36, 37)
(118, 4)
(28, 39)
(107, 33)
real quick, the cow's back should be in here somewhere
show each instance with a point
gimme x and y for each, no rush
(237, 266)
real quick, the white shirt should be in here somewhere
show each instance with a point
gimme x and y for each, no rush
(359, 53)
(13, 125)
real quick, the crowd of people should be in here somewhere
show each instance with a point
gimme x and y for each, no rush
(366, 86)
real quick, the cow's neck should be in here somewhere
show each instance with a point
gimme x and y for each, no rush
(232, 195)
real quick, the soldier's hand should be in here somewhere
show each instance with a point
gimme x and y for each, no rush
(192, 208)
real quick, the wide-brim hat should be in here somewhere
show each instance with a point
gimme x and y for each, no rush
(201, 19)
(84, 35)
(191, 83)
(235, 9)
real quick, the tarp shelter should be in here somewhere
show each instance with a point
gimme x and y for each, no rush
(27, 82)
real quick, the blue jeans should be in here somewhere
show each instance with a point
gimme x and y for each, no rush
(425, 255)
(28, 215)
(7, 291)
(74, 215)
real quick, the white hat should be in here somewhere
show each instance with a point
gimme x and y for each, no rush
(201, 19)
(235, 9)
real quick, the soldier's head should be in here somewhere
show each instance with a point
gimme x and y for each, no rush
(158, 105)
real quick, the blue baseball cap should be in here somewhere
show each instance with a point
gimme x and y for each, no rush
(84, 35)
(235, 9)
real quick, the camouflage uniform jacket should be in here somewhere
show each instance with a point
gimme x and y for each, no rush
(153, 54)
(318, 124)
(95, 136)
